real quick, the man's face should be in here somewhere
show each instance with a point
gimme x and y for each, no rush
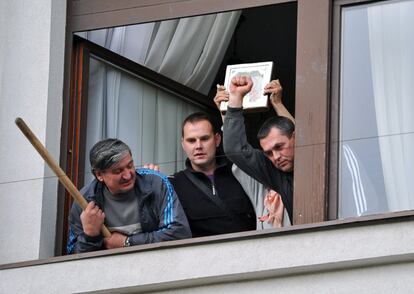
(279, 149)
(199, 143)
(120, 177)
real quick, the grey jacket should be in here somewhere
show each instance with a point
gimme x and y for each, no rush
(253, 161)
(162, 216)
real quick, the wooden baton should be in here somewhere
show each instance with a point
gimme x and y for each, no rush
(61, 175)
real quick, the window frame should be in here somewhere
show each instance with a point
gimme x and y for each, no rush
(316, 87)
(333, 194)
(309, 192)
(84, 51)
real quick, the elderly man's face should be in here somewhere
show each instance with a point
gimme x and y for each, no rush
(199, 143)
(279, 149)
(120, 177)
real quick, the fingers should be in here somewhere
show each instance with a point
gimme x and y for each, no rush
(152, 166)
(240, 80)
(93, 210)
(221, 96)
(273, 84)
(272, 88)
(92, 219)
(116, 240)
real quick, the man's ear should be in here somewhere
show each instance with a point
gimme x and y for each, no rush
(98, 175)
(217, 139)
(182, 142)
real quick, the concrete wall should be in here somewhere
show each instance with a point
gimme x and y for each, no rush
(376, 258)
(32, 37)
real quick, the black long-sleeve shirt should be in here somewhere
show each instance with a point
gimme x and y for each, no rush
(253, 161)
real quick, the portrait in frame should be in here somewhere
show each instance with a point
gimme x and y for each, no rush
(261, 73)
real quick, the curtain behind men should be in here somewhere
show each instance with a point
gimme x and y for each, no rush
(148, 119)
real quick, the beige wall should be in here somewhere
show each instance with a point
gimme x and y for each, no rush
(376, 258)
(31, 82)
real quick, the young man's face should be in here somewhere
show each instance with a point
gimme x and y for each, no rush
(120, 177)
(199, 143)
(279, 149)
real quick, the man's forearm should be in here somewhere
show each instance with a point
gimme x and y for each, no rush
(240, 152)
(282, 111)
(235, 101)
(235, 144)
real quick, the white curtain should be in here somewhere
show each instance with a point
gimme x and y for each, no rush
(143, 116)
(391, 39)
(187, 50)
(148, 119)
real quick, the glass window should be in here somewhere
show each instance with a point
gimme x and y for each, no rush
(146, 117)
(376, 156)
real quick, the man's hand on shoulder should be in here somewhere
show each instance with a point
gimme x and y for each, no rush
(117, 240)
(152, 166)
(239, 87)
(92, 219)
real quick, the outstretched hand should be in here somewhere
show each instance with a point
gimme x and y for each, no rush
(239, 87)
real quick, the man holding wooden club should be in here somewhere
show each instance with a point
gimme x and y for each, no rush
(137, 206)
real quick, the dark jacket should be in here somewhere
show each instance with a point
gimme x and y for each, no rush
(161, 215)
(205, 217)
(253, 161)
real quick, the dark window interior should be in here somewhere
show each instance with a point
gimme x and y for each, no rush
(265, 33)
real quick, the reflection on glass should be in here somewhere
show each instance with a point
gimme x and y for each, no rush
(376, 161)
(145, 117)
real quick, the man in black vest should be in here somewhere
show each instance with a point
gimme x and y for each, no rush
(212, 198)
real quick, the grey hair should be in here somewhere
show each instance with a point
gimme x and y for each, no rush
(107, 152)
(285, 125)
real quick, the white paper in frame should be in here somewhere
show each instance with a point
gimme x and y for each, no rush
(261, 73)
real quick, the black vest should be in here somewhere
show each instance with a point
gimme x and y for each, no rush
(204, 216)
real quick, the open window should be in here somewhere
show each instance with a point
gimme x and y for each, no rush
(138, 82)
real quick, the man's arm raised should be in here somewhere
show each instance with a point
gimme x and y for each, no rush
(252, 161)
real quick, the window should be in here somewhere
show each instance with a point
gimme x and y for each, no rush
(185, 59)
(146, 117)
(375, 126)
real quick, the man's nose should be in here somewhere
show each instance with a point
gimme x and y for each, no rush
(126, 174)
(276, 155)
(198, 144)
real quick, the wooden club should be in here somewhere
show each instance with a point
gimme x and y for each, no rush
(61, 175)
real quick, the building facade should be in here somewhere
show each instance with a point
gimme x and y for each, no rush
(351, 232)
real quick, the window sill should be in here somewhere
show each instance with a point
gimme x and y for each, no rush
(329, 246)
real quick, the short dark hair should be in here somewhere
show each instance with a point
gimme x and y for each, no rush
(285, 125)
(107, 152)
(196, 117)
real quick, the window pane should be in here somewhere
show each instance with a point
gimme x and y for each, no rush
(376, 162)
(147, 118)
(188, 50)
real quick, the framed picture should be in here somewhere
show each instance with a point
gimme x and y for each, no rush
(261, 73)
